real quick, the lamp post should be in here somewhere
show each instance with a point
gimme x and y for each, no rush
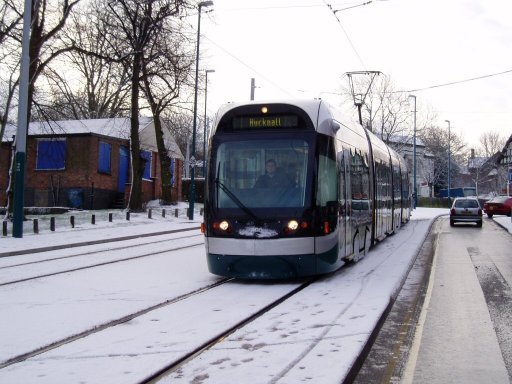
(414, 156)
(205, 122)
(192, 194)
(449, 163)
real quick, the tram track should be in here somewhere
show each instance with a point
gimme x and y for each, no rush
(178, 363)
(147, 254)
(109, 324)
(90, 242)
(88, 253)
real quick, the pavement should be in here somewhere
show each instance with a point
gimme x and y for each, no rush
(102, 231)
(450, 322)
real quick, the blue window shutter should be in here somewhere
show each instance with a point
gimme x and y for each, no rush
(104, 157)
(51, 155)
(146, 155)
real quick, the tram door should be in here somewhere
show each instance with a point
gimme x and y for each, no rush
(345, 237)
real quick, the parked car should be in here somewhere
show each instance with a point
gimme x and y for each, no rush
(500, 205)
(466, 210)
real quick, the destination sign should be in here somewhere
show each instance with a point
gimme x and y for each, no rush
(264, 122)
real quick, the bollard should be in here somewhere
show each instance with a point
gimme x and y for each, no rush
(201, 212)
(110, 216)
(72, 221)
(149, 213)
(176, 212)
(52, 224)
(4, 228)
(128, 216)
(35, 224)
(163, 212)
(93, 219)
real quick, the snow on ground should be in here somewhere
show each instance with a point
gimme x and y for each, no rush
(331, 318)
(84, 231)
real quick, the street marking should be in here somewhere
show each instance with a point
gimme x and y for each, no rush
(408, 376)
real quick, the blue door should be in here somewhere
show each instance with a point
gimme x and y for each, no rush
(124, 168)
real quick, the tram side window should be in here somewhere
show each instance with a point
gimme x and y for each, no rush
(327, 175)
(397, 185)
(359, 176)
(327, 188)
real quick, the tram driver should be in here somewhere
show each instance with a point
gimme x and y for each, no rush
(273, 177)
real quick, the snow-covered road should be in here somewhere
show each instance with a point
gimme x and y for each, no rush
(315, 334)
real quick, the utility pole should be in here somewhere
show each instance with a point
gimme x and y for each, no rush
(415, 191)
(449, 162)
(253, 86)
(192, 193)
(21, 136)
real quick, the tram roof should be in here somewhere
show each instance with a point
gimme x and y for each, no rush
(320, 111)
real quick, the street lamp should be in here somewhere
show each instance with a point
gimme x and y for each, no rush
(414, 156)
(205, 122)
(449, 162)
(192, 194)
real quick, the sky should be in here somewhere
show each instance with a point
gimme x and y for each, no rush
(333, 317)
(298, 49)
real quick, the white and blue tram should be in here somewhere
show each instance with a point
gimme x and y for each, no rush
(292, 191)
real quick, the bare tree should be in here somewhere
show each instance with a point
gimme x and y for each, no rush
(136, 28)
(437, 144)
(491, 142)
(166, 69)
(385, 111)
(10, 32)
(91, 85)
(389, 110)
(48, 19)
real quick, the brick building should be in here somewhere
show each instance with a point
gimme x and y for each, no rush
(86, 163)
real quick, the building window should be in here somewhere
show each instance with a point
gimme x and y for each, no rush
(51, 154)
(105, 150)
(146, 157)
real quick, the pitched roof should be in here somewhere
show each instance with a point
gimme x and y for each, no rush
(115, 127)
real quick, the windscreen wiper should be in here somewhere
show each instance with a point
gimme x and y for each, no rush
(235, 199)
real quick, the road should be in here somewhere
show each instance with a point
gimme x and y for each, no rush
(451, 322)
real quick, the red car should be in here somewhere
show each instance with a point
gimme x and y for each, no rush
(500, 205)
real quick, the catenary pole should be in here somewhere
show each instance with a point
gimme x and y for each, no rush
(415, 189)
(21, 135)
(192, 194)
(449, 163)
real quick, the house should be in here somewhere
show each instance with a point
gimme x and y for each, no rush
(483, 173)
(424, 162)
(86, 163)
(504, 160)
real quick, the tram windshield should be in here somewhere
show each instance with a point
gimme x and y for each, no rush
(261, 173)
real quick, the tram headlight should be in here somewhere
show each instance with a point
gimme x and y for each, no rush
(293, 225)
(223, 226)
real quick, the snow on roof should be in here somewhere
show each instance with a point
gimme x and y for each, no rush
(115, 127)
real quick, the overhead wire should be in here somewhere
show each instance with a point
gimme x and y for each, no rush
(248, 66)
(240, 61)
(459, 81)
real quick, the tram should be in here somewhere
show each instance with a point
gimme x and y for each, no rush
(293, 191)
